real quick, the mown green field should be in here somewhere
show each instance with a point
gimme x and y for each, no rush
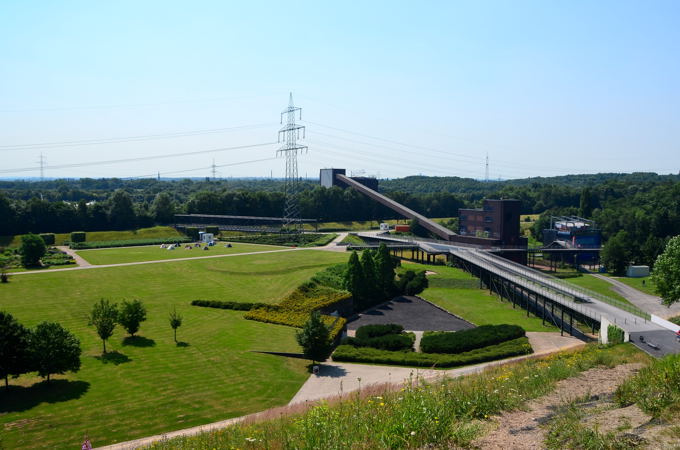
(644, 284)
(459, 293)
(155, 253)
(96, 236)
(155, 386)
(597, 285)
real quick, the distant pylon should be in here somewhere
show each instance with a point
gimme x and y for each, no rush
(290, 148)
(42, 167)
(214, 170)
(486, 171)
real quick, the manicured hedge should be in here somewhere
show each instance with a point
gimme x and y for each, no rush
(402, 341)
(237, 306)
(466, 340)
(78, 236)
(273, 314)
(290, 240)
(373, 331)
(129, 243)
(515, 347)
(48, 238)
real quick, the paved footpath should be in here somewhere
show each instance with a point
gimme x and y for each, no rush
(342, 378)
(645, 302)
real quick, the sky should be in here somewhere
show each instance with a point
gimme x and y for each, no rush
(387, 88)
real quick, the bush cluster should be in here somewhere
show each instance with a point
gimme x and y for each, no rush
(237, 306)
(55, 257)
(372, 331)
(49, 238)
(128, 243)
(78, 236)
(466, 340)
(412, 283)
(388, 342)
(289, 240)
(348, 353)
(614, 334)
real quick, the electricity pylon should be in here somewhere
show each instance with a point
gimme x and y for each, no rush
(290, 148)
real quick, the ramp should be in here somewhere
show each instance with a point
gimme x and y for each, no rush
(426, 223)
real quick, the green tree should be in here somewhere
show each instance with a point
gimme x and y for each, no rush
(32, 249)
(104, 317)
(54, 350)
(314, 338)
(131, 315)
(4, 267)
(175, 321)
(372, 289)
(666, 275)
(121, 212)
(385, 270)
(586, 203)
(163, 208)
(14, 339)
(354, 278)
(616, 253)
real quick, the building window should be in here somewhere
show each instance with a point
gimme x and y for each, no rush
(488, 219)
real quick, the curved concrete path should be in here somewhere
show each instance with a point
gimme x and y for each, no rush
(341, 378)
(649, 303)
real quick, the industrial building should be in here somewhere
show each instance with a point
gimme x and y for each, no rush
(496, 219)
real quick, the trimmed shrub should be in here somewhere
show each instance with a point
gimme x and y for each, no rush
(192, 232)
(412, 283)
(466, 340)
(373, 331)
(237, 306)
(515, 347)
(402, 341)
(129, 243)
(48, 238)
(213, 230)
(614, 335)
(78, 236)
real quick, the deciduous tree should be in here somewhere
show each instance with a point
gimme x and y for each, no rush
(104, 317)
(54, 350)
(666, 274)
(314, 338)
(14, 339)
(131, 315)
(175, 321)
(32, 249)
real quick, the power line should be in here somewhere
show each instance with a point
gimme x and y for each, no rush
(100, 141)
(142, 158)
(203, 168)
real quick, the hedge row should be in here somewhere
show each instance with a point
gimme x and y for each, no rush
(373, 331)
(402, 341)
(129, 243)
(237, 306)
(515, 347)
(311, 296)
(277, 315)
(290, 240)
(466, 340)
(48, 238)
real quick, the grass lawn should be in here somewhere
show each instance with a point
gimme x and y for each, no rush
(459, 293)
(95, 236)
(154, 386)
(648, 287)
(154, 252)
(597, 285)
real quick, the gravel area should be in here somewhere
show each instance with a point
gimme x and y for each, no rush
(414, 314)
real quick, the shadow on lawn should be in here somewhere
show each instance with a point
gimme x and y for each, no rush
(113, 358)
(139, 341)
(19, 398)
(182, 344)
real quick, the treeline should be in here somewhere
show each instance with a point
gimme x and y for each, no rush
(122, 210)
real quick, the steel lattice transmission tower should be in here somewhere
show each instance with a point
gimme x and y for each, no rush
(289, 134)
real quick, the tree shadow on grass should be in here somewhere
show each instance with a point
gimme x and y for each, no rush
(20, 398)
(139, 341)
(182, 344)
(113, 358)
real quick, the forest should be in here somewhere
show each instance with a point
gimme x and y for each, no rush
(641, 210)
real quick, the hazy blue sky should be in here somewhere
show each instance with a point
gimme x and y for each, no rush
(392, 88)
